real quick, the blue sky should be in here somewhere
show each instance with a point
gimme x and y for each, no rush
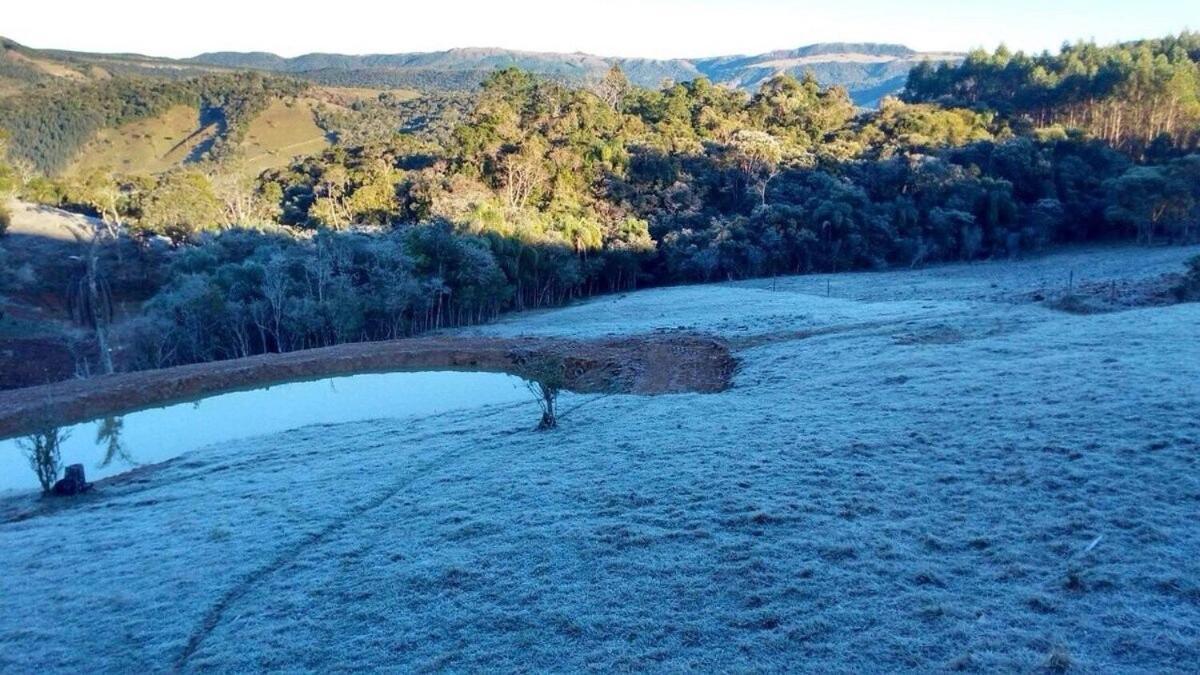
(652, 28)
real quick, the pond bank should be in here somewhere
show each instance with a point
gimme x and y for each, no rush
(653, 364)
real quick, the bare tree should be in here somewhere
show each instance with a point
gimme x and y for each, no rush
(547, 398)
(101, 191)
(241, 202)
(757, 155)
(90, 298)
(613, 88)
(524, 173)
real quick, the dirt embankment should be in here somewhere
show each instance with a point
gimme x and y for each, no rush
(660, 364)
(26, 360)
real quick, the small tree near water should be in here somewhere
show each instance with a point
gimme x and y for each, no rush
(547, 396)
(545, 378)
(90, 299)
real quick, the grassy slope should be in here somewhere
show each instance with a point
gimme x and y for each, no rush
(911, 472)
(283, 131)
(346, 95)
(146, 146)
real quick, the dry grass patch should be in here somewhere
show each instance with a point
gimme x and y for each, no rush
(151, 145)
(284, 131)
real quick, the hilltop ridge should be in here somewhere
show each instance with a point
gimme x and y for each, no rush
(868, 71)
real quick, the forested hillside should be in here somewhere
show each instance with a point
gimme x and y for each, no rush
(1140, 97)
(49, 125)
(53, 102)
(444, 211)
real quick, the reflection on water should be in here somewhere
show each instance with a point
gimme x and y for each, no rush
(114, 445)
(108, 436)
(44, 452)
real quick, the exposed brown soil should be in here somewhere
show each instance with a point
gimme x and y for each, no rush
(658, 364)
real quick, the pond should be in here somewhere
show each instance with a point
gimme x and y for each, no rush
(158, 434)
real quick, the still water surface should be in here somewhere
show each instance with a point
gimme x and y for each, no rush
(158, 434)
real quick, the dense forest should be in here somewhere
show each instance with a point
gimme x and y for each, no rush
(1142, 97)
(533, 192)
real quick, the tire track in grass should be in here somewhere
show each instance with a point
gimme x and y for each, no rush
(142, 478)
(751, 341)
(212, 618)
(290, 146)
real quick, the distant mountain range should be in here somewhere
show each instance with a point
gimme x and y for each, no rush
(868, 70)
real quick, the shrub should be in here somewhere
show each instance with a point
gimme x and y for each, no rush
(1188, 288)
(545, 377)
(1059, 660)
(547, 397)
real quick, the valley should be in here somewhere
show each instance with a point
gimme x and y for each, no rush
(841, 358)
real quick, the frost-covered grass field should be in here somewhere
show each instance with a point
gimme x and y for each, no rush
(914, 471)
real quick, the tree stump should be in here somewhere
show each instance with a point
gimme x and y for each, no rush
(72, 483)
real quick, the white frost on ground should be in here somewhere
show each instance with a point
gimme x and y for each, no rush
(904, 477)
